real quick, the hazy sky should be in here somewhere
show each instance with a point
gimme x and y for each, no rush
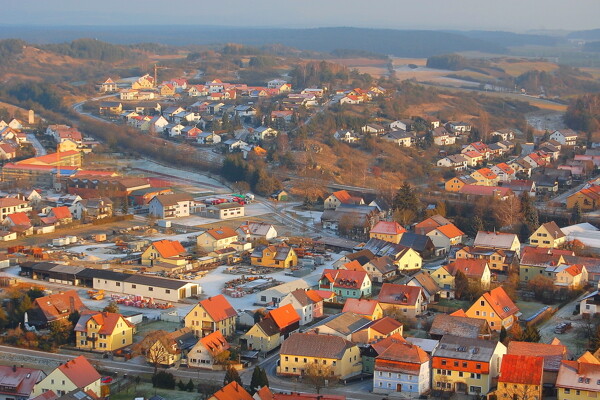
(514, 15)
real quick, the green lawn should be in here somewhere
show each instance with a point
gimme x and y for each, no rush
(146, 391)
(143, 329)
(454, 303)
(528, 308)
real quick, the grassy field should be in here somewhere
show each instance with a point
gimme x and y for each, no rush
(454, 303)
(528, 308)
(145, 390)
(143, 329)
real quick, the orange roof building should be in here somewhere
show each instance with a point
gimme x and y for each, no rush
(369, 309)
(390, 231)
(497, 308)
(54, 307)
(168, 251)
(210, 315)
(102, 331)
(285, 317)
(75, 374)
(520, 374)
(232, 391)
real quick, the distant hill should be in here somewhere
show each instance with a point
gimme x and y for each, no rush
(592, 34)
(403, 43)
(510, 39)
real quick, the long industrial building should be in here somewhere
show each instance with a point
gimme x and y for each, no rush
(171, 290)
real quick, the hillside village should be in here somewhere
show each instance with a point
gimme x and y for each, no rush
(235, 261)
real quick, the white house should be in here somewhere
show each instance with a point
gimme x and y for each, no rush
(566, 137)
(346, 136)
(443, 237)
(256, 230)
(401, 138)
(171, 205)
(302, 303)
(401, 367)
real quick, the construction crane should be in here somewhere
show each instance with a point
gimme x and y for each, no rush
(156, 68)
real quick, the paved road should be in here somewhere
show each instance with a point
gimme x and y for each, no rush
(39, 149)
(47, 361)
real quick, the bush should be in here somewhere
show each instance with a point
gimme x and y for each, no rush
(164, 380)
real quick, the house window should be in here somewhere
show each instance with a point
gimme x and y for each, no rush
(133, 286)
(118, 283)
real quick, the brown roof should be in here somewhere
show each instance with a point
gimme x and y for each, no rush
(404, 352)
(59, 305)
(444, 324)
(314, 345)
(553, 230)
(172, 199)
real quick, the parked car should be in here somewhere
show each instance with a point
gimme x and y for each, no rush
(562, 327)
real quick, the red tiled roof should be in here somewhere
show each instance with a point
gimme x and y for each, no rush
(343, 196)
(574, 269)
(62, 212)
(346, 278)
(218, 308)
(383, 344)
(59, 305)
(472, 268)
(385, 325)
(284, 316)
(168, 248)
(19, 218)
(360, 306)
(388, 228)
(80, 372)
(399, 294)
(506, 168)
(106, 320)
(11, 202)
(233, 391)
(520, 369)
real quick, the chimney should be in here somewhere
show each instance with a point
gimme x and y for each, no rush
(14, 368)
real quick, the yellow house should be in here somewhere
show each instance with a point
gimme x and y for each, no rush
(75, 374)
(390, 231)
(263, 336)
(587, 198)
(485, 177)
(67, 145)
(456, 183)
(167, 348)
(521, 377)
(281, 256)
(548, 235)
(579, 379)
(210, 315)
(474, 269)
(103, 331)
(165, 251)
(334, 355)
(408, 260)
(496, 308)
(167, 90)
(536, 260)
(145, 82)
(216, 239)
(466, 365)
